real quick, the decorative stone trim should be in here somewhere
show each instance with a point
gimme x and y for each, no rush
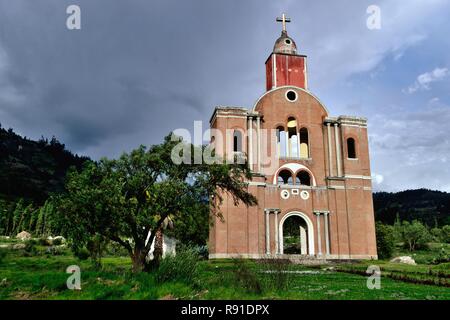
(286, 256)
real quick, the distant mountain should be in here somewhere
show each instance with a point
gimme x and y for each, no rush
(33, 169)
(425, 205)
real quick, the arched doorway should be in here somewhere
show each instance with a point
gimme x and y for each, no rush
(296, 234)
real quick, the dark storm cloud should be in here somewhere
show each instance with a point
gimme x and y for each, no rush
(139, 69)
(134, 66)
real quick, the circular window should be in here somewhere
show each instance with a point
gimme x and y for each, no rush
(291, 95)
(285, 194)
(287, 41)
(304, 194)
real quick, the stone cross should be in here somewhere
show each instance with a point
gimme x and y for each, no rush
(284, 20)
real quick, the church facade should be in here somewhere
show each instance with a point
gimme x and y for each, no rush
(311, 172)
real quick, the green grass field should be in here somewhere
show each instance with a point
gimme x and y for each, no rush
(43, 276)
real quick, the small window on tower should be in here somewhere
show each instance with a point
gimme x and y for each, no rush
(281, 142)
(291, 95)
(288, 41)
(237, 141)
(351, 148)
(304, 143)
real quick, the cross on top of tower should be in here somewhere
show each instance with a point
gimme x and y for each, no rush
(284, 20)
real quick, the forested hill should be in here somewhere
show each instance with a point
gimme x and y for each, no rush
(33, 169)
(425, 205)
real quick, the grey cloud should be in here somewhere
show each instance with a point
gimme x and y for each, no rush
(139, 69)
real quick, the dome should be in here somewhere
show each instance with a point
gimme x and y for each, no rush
(285, 44)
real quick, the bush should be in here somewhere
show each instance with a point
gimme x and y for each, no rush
(82, 254)
(116, 250)
(443, 257)
(57, 241)
(385, 240)
(202, 251)
(30, 248)
(246, 277)
(445, 234)
(3, 254)
(277, 275)
(54, 251)
(31, 242)
(43, 242)
(181, 267)
(415, 235)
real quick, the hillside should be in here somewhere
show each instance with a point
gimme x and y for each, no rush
(33, 169)
(425, 205)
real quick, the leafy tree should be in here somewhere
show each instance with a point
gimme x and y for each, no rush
(18, 216)
(192, 227)
(385, 240)
(436, 234)
(445, 235)
(123, 200)
(414, 234)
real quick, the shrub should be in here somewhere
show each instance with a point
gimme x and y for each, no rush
(443, 257)
(277, 275)
(57, 241)
(436, 234)
(43, 242)
(181, 267)
(415, 235)
(445, 234)
(30, 248)
(31, 242)
(246, 277)
(202, 251)
(115, 249)
(54, 251)
(3, 254)
(97, 247)
(82, 254)
(385, 240)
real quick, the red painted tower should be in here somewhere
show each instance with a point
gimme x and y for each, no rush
(285, 67)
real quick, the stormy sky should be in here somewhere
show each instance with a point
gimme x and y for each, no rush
(138, 69)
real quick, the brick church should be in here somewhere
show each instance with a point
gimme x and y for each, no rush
(311, 172)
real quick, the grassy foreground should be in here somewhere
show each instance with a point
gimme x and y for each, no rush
(43, 277)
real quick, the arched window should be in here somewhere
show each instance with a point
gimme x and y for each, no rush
(285, 177)
(281, 142)
(293, 138)
(237, 141)
(304, 143)
(351, 148)
(303, 178)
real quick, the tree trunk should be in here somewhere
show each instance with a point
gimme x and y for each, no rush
(138, 258)
(158, 249)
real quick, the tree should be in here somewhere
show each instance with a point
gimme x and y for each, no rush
(385, 240)
(446, 234)
(123, 200)
(414, 234)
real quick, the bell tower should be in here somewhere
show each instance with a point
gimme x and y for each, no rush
(285, 67)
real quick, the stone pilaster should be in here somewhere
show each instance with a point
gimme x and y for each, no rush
(319, 237)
